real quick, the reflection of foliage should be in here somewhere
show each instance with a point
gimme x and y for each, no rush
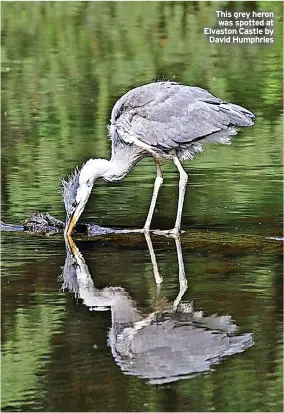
(25, 352)
(65, 372)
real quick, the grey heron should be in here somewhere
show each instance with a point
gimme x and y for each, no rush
(161, 120)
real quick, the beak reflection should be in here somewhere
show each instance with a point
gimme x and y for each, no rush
(71, 247)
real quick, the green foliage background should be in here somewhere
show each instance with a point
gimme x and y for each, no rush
(64, 64)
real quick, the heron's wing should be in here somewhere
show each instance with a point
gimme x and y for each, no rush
(167, 114)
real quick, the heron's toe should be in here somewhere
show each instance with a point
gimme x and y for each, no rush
(175, 232)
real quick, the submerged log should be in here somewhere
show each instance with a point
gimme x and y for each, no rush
(46, 223)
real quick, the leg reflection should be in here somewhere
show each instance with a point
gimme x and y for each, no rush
(181, 274)
(181, 271)
(157, 276)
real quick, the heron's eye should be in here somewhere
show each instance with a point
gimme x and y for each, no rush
(74, 204)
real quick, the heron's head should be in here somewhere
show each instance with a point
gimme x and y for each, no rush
(76, 191)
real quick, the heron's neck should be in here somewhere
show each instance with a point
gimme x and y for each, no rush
(113, 170)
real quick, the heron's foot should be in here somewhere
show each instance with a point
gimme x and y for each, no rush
(134, 231)
(145, 230)
(173, 233)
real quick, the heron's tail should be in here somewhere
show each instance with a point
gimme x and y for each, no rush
(238, 116)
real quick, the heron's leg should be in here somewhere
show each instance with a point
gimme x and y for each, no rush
(182, 188)
(157, 185)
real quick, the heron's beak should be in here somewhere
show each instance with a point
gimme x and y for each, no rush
(75, 213)
(71, 222)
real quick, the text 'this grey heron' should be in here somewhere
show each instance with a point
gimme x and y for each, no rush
(162, 120)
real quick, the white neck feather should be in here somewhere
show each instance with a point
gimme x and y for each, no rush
(122, 161)
(113, 170)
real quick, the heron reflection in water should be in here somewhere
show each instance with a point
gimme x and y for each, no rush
(162, 346)
(164, 120)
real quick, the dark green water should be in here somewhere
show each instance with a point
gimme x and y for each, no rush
(63, 67)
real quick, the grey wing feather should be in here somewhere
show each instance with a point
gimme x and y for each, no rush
(167, 114)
